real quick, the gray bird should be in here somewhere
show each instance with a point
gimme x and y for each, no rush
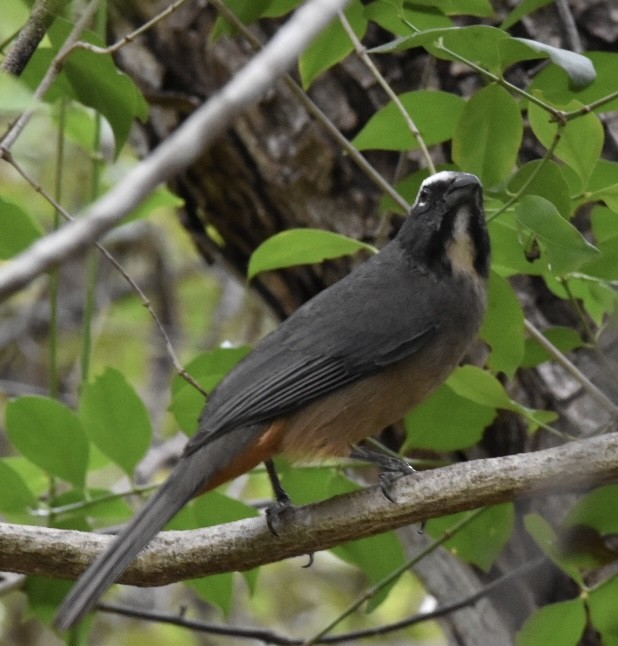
(348, 363)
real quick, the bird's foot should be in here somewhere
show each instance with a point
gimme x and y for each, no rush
(392, 468)
(280, 511)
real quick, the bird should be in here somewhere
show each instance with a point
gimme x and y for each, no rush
(348, 363)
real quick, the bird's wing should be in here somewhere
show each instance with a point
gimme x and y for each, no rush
(351, 330)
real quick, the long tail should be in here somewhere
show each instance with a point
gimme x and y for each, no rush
(194, 473)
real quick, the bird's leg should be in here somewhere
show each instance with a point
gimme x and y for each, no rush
(392, 467)
(283, 503)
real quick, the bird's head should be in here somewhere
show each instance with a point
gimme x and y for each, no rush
(446, 228)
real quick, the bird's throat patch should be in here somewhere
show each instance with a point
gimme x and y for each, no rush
(460, 249)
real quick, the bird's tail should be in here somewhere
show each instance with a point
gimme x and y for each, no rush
(226, 457)
(110, 565)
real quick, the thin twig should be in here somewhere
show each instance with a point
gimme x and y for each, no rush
(265, 636)
(317, 113)
(393, 576)
(125, 40)
(575, 372)
(557, 115)
(522, 189)
(590, 107)
(178, 151)
(110, 258)
(443, 610)
(270, 637)
(52, 73)
(361, 51)
(43, 14)
(570, 28)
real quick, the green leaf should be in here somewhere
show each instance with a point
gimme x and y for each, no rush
(476, 43)
(19, 229)
(598, 509)
(116, 419)
(390, 16)
(545, 537)
(37, 67)
(602, 610)
(50, 435)
(564, 245)
(14, 16)
(490, 48)
(278, 8)
(557, 624)
(503, 328)
(207, 511)
(332, 45)
(507, 248)
(313, 483)
(565, 339)
(15, 496)
(434, 113)
(37, 478)
(603, 185)
(247, 11)
(548, 181)
(79, 123)
(479, 386)
(605, 265)
(579, 68)
(446, 422)
(377, 557)
(483, 388)
(604, 222)
(598, 297)
(555, 84)
(581, 140)
(45, 595)
(301, 247)
(15, 95)
(207, 369)
(481, 8)
(488, 135)
(97, 83)
(524, 8)
(482, 539)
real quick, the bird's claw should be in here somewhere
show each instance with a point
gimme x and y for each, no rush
(282, 509)
(392, 468)
(390, 475)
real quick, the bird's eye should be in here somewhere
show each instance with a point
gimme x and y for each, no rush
(423, 196)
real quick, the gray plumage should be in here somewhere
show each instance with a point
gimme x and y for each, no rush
(408, 313)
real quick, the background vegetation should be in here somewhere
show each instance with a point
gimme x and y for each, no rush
(525, 95)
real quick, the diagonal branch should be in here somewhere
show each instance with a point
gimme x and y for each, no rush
(182, 148)
(246, 544)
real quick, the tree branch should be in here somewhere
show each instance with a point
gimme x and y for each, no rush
(182, 148)
(246, 544)
(43, 14)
